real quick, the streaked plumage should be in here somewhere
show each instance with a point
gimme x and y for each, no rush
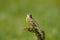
(35, 27)
(30, 20)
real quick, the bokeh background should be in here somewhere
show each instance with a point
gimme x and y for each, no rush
(13, 14)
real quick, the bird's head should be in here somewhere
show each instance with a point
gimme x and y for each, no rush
(29, 15)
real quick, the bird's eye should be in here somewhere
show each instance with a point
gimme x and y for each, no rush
(30, 16)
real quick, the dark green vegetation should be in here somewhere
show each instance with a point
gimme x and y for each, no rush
(13, 14)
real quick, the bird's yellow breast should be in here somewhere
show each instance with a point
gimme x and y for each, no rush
(27, 19)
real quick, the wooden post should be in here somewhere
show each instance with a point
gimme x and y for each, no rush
(40, 36)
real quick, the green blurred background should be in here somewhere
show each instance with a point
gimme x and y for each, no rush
(13, 14)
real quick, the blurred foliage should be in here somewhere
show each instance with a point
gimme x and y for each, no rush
(13, 14)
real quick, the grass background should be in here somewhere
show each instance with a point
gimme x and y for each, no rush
(13, 14)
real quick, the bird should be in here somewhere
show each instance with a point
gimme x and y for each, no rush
(35, 27)
(30, 20)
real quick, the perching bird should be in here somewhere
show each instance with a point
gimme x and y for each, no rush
(30, 20)
(39, 33)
